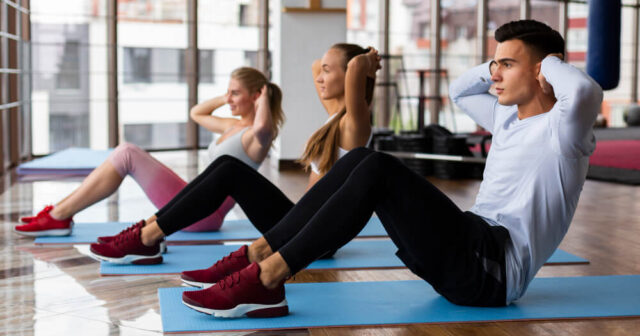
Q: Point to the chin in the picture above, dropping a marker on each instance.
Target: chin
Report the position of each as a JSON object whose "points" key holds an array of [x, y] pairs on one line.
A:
{"points": [[505, 101]]}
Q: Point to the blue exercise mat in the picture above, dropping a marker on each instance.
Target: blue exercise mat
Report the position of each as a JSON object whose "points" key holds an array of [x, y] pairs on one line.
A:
{"points": [[360, 254], [66, 162], [405, 302], [240, 229]]}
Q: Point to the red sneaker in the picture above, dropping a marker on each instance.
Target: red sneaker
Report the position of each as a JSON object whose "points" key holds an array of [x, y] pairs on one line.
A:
{"points": [[127, 248], [206, 278], [140, 224], [28, 219], [45, 225], [239, 294]]}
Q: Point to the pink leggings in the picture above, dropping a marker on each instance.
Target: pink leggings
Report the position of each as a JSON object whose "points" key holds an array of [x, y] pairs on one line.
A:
{"points": [[160, 183]]}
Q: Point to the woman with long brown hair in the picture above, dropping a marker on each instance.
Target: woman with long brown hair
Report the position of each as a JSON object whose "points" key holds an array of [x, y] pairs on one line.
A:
{"points": [[344, 80]]}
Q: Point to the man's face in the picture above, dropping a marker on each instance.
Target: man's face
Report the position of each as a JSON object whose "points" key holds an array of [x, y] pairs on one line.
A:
{"points": [[515, 73]]}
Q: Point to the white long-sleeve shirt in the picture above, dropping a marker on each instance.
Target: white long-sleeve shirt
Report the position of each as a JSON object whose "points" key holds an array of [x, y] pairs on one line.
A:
{"points": [[536, 167]]}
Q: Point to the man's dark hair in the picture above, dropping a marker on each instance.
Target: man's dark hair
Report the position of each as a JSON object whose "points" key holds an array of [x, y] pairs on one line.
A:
{"points": [[542, 39]]}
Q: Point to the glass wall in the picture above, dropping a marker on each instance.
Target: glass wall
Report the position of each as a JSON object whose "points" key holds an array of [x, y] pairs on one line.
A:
{"points": [[546, 11], [500, 12], [459, 53], [228, 38], [68, 82], [152, 91], [410, 48], [69, 62]]}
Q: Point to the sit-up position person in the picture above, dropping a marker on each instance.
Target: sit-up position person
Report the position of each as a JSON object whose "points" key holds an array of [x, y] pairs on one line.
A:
{"points": [[541, 122], [344, 81], [250, 96]]}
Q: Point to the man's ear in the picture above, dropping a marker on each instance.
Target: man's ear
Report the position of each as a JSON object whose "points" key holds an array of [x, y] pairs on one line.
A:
{"points": [[538, 67]]}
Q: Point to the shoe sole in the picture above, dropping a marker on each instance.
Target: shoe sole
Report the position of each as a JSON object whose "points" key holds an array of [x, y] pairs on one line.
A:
{"points": [[203, 285], [163, 245], [44, 233], [248, 309], [130, 259]]}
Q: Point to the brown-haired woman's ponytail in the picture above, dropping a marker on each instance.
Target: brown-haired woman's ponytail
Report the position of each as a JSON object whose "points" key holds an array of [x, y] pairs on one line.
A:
{"points": [[323, 145]]}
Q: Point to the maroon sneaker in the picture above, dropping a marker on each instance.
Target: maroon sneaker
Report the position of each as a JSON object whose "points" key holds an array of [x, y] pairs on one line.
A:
{"points": [[45, 225], [140, 224], [28, 219], [239, 294], [205, 278], [127, 248]]}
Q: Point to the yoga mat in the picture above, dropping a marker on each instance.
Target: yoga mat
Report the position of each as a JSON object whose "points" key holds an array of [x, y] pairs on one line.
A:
{"points": [[241, 229], [404, 302], [71, 161], [367, 254]]}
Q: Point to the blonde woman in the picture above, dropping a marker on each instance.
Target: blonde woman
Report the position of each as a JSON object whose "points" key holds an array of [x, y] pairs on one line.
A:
{"points": [[344, 81], [250, 96]]}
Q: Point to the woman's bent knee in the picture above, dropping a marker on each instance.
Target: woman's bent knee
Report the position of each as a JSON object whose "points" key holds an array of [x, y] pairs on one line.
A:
{"points": [[121, 157]]}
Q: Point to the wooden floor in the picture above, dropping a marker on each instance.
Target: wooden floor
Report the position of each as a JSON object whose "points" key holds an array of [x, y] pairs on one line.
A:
{"points": [[58, 290]]}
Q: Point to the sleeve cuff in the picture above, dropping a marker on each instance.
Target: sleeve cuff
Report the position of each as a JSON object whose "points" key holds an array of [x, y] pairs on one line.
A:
{"points": [[484, 71]]}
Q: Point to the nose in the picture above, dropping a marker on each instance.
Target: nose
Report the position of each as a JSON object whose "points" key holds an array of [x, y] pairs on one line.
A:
{"points": [[319, 79], [496, 76], [228, 100]]}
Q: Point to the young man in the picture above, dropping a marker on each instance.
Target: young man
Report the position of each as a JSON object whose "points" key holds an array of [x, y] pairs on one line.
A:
{"points": [[541, 122]]}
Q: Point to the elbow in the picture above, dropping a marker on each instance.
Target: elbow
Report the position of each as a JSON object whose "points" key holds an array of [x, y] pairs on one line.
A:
{"points": [[589, 91], [264, 137], [263, 133], [315, 66], [454, 92], [193, 112]]}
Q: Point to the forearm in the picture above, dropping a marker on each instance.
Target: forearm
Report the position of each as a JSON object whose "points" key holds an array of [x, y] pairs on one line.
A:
{"points": [[263, 118], [476, 80], [207, 107], [263, 124], [356, 85], [470, 92], [578, 103], [578, 95], [370, 86]]}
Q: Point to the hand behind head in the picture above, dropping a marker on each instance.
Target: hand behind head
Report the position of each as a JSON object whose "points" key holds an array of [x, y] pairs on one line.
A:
{"points": [[374, 62], [558, 55]]}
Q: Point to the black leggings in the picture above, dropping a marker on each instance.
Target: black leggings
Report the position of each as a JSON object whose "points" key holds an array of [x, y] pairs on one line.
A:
{"points": [[457, 252], [263, 202]]}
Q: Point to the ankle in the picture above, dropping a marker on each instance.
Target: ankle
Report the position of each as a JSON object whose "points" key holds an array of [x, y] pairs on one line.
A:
{"points": [[150, 220], [273, 271], [259, 251], [269, 280], [147, 239], [59, 213], [252, 255]]}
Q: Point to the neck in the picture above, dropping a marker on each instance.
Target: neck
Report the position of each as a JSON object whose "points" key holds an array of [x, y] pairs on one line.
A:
{"points": [[339, 106], [541, 103], [247, 120]]}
